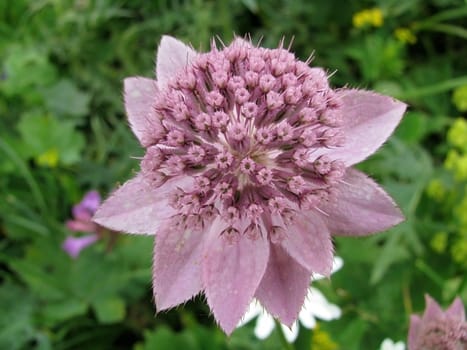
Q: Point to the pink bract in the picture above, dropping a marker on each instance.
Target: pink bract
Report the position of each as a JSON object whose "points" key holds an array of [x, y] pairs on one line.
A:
{"points": [[438, 330], [246, 174]]}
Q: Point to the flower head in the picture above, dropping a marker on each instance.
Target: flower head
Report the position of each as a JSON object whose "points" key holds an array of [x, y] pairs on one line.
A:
{"points": [[82, 215], [246, 173], [438, 330]]}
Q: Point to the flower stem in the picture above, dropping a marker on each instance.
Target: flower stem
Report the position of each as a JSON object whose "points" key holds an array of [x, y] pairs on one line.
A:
{"points": [[286, 345], [436, 278], [433, 89]]}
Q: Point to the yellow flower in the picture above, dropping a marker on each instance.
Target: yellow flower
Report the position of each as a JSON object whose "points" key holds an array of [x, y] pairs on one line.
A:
{"points": [[461, 213], [459, 251], [457, 163], [460, 173], [436, 189], [49, 158], [452, 159], [459, 98], [405, 35], [321, 340], [439, 242], [457, 134], [369, 17]]}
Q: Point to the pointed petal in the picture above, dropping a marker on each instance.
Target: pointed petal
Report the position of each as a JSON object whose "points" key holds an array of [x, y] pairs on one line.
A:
{"points": [[359, 207], [432, 310], [370, 119], [177, 265], [139, 94], [337, 264], [309, 243], [388, 344], [172, 56], [284, 286], [290, 333], [306, 318], [399, 345], [138, 207], [231, 274], [253, 310], [456, 310], [414, 330], [320, 307], [264, 326]]}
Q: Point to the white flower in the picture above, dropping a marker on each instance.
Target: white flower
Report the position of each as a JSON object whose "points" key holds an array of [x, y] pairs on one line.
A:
{"points": [[315, 306], [388, 344]]}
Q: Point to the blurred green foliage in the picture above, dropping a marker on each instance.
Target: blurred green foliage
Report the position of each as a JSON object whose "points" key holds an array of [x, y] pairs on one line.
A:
{"points": [[63, 132]]}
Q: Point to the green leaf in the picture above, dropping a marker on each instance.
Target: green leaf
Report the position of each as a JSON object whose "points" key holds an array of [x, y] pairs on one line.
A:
{"points": [[252, 5], [388, 87], [352, 335], [50, 140], [437, 88], [55, 312], [65, 99], [16, 316], [413, 127], [409, 162], [22, 168], [39, 280], [378, 58], [42, 341], [109, 310], [392, 252], [165, 339], [451, 288], [26, 68]]}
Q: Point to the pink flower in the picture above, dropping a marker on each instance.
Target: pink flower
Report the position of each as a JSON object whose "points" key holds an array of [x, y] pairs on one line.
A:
{"points": [[246, 173], [73, 245], [82, 222], [438, 330], [83, 212]]}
